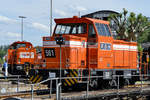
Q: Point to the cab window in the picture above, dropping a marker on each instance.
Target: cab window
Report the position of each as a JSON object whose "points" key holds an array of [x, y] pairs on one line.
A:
{"points": [[72, 28], [18, 46], [103, 29], [91, 33], [21, 45]]}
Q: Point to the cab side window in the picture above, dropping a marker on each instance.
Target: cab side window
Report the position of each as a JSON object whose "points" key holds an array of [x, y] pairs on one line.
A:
{"points": [[103, 29], [92, 32], [107, 30], [91, 35]]}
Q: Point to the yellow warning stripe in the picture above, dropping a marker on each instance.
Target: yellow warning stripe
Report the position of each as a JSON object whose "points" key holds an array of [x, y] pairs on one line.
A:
{"points": [[31, 78], [67, 82], [39, 79], [27, 69], [73, 78], [35, 78], [75, 73], [75, 70]]}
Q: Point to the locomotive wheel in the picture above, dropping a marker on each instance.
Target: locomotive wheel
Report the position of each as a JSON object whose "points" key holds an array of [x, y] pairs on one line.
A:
{"points": [[122, 82], [132, 82], [113, 83], [103, 84], [134, 79], [93, 84], [127, 82]]}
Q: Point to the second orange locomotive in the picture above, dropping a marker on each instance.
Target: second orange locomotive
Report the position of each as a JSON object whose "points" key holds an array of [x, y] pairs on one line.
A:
{"points": [[21, 57]]}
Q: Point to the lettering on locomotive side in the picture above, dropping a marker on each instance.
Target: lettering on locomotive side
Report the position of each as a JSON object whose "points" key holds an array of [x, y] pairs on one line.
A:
{"points": [[26, 54], [49, 52], [47, 43], [105, 46], [124, 47]]}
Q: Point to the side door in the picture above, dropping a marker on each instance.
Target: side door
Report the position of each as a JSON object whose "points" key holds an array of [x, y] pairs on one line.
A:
{"points": [[74, 57], [105, 46], [92, 47]]}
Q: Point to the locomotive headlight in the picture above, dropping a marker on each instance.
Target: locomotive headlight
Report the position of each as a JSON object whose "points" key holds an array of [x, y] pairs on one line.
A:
{"points": [[65, 72], [19, 67], [44, 63], [67, 62]]}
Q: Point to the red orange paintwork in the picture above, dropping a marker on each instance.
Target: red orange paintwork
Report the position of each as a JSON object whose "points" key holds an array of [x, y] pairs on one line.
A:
{"points": [[14, 55], [122, 55]]}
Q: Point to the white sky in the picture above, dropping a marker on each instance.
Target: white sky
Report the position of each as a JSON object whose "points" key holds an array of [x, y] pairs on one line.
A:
{"points": [[36, 24]]}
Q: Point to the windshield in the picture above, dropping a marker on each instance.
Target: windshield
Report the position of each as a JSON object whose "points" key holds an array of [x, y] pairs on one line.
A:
{"points": [[72, 28], [16, 46]]}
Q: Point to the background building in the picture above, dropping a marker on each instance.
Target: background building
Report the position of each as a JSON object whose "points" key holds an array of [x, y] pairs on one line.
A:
{"points": [[102, 14]]}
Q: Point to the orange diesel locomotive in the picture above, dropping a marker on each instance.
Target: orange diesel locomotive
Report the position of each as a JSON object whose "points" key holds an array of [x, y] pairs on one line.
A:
{"points": [[21, 57], [89, 50]]}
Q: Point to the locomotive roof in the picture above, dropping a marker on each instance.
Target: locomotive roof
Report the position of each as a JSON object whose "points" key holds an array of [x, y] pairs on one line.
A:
{"points": [[21, 42], [76, 19]]}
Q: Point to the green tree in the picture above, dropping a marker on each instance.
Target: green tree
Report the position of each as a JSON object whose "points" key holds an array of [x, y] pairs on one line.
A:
{"points": [[3, 51], [138, 27], [120, 20], [1, 61], [132, 27]]}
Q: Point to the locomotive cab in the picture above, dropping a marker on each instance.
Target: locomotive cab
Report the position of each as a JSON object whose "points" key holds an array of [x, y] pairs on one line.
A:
{"points": [[81, 43]]}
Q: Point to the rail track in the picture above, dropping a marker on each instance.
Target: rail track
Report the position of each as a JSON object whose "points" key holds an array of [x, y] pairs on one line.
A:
{"points": [[25, 93], [130, 90], [14, 95]]}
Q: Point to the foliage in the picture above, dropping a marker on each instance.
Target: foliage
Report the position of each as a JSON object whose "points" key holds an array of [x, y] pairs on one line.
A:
{"points": [[140, 49], [145, 37], [120, 20], [3, 52], [131, 27], [137, 27]]}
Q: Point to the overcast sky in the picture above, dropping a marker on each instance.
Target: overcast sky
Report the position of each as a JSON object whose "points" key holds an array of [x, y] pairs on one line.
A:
{"points": [[37, 12]]}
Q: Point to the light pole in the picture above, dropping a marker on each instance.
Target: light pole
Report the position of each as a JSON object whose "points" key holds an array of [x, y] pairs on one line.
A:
{"points": [[51, 17], [22, 17], [60, 41]]}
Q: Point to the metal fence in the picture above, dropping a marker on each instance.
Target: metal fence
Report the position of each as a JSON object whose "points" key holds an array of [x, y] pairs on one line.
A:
{"points": [[17, 84], [117, 90]]}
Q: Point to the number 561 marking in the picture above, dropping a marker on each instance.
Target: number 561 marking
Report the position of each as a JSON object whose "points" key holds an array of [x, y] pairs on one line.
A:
{"points": [[49, 52]]}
